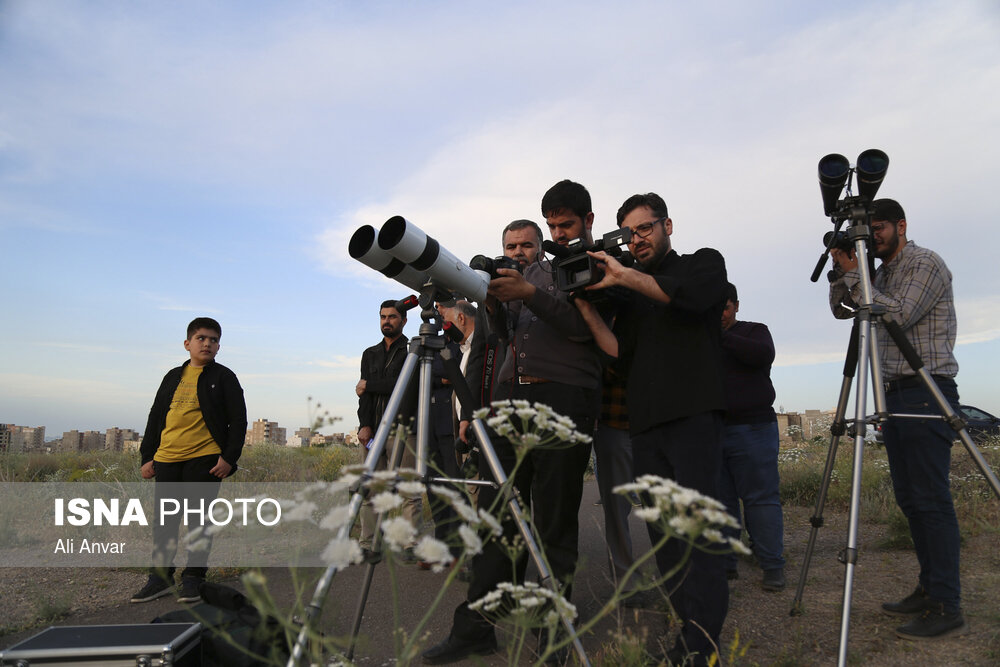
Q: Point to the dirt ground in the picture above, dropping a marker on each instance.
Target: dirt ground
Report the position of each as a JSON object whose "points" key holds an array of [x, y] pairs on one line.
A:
{"points": [[762, 620]]}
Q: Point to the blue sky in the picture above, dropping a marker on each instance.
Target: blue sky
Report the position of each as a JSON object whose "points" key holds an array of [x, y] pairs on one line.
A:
{"points": [[160, 161]]}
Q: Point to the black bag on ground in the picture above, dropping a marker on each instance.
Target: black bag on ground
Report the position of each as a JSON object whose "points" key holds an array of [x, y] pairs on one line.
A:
{"points": [[235, 633]]}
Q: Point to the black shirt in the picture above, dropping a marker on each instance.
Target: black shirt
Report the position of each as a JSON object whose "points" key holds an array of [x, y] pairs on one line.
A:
{"points": [[671, 352]]}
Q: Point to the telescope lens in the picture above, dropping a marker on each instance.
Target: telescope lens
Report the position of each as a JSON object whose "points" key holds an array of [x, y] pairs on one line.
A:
{"points": [[872, 165], [833, 171]]}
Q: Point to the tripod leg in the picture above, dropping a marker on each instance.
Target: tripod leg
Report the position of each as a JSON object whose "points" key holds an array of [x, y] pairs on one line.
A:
{"points": [[837, 429], [396, 457], [486, 448], [375, 451]]}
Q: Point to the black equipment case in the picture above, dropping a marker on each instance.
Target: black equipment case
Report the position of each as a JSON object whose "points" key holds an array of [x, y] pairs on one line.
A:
{"points": [[149, 645]]}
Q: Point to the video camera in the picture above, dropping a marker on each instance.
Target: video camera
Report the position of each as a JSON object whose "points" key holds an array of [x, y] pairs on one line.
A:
{"points": [[575, 269]]}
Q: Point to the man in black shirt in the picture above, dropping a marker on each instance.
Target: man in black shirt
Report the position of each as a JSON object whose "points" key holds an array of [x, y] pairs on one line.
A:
{"points": [[380, 367], [666, 340]]}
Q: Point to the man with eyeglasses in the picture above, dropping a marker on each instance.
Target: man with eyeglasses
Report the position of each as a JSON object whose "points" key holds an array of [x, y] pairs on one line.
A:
{"points": [[913, 284], [667, 342]]}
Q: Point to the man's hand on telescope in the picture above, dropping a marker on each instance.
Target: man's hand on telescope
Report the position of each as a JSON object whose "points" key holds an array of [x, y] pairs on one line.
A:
{"points": [[511, 286], [365, 435], [845, 260], [633, 279]]}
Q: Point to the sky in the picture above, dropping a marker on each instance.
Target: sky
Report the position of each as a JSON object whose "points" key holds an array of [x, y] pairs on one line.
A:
{"points": [[163, 161]]}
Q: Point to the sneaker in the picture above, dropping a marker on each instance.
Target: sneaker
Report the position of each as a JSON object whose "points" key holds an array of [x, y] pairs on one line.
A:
{"points": [[155, 587], [774, 580], [189, 590], [914, 603], [934, 623]]}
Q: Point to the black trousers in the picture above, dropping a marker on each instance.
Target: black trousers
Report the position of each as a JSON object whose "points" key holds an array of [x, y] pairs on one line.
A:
{"points": [[550, 482], [688, 451], [204, 488]]}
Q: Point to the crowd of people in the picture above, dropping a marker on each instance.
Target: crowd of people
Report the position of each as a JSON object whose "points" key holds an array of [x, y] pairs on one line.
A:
{"points": [[668, 382]]}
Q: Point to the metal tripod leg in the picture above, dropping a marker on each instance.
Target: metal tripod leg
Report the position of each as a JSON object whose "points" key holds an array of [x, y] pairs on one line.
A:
{"points": [[545, 574], [837, 429], [374, 452], [395, 460]]}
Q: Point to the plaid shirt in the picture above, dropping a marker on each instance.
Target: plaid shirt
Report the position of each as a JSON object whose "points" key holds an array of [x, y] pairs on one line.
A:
{"points": [[915, 288], [614, 412]]}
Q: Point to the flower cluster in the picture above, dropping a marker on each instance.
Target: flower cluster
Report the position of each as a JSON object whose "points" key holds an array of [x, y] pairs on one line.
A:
{"points": [[527, 603], [530, 425], [683, 512]]}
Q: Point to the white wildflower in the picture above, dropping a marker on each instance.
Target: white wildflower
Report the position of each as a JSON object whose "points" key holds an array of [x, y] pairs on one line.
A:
{"points": [[465, 511], [341, 553], [386, 502], [335, 518], [433, 551], [410, 489], [491, 522], [399, 533], [302, 511], [685, 525], [481, 413], [648, 514], [473, 544]]}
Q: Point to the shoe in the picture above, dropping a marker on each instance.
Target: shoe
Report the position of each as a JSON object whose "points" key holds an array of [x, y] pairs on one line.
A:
{"points": [[732, 575], [190, 591], [914, 603], [155, 588], [934, 623], [678, 656], [774, 580], [453, 649], [409, 557], [369, 556]]}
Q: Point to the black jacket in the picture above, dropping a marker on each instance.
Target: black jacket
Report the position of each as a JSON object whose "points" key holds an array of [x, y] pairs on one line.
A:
{"points": [[379, 369], [220, 397]]}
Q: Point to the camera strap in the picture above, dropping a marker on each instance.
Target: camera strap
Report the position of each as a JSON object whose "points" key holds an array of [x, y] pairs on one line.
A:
{"points": [[489, 366]]}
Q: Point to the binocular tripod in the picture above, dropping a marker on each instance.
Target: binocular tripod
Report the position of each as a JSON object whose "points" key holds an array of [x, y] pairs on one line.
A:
{"points": [[862, 354], [422, 349]]}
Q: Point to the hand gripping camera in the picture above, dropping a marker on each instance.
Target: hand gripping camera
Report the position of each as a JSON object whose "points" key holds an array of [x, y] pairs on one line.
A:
{"points": [[575, 269]]}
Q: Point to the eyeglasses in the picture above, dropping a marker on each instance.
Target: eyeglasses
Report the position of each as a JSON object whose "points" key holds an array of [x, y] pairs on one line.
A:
{"points": [[645, 229]]}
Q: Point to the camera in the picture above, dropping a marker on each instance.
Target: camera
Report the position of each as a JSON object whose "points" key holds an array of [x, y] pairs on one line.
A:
{"points": [[489, 266], [575, 269], [838, 240]]}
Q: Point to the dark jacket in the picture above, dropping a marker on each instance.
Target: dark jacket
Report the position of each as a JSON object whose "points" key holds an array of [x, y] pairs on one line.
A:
{"points": [[380, 369], [223, 408], [747, 354]]}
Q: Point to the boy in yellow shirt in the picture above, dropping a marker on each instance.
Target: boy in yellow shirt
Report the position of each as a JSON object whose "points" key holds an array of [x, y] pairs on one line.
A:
{"points": [[195, 433]]}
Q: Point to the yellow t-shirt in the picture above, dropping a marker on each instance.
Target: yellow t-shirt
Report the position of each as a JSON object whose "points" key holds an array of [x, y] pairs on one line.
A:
{"points": [[185, 436]]}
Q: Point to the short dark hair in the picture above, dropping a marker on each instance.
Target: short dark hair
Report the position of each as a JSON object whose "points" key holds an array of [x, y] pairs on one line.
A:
{"points": [[391, 303], [203, 323], [651, 199], [566, 196], [888, 210], [731, 294], [521, 224]]}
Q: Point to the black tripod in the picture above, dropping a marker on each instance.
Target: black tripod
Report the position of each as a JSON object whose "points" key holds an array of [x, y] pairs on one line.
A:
{"points": [[862, 355], [422, 350]]}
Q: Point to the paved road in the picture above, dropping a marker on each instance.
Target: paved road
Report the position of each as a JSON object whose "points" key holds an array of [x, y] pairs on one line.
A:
{"points": [[402, 603]]}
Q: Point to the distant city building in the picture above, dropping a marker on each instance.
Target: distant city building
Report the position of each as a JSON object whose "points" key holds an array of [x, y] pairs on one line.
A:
{"points": [[15, 439], [72, 441], [114, 438], [262, 431]]}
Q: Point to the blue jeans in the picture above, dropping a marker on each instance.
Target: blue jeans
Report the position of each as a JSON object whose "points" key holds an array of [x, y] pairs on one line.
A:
{"points": [[919, 453], [750, 473]]}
